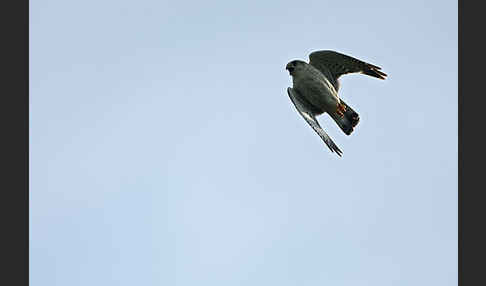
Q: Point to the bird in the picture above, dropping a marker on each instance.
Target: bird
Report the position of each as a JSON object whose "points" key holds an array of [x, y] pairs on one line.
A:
{"points": [[315, 90]]}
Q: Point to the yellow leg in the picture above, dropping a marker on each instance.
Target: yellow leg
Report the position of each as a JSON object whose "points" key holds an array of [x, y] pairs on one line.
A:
{"points": [[341, 109]]}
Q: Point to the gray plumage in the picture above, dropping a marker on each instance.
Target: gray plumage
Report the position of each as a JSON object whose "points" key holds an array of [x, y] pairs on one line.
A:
{"points": [[315, 90]]}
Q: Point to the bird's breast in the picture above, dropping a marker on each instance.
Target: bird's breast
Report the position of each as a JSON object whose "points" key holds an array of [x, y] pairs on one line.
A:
{"points": [[317, 92]]}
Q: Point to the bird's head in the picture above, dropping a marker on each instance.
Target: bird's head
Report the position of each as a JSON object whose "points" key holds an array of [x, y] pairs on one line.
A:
{"points": [[295, 66]]}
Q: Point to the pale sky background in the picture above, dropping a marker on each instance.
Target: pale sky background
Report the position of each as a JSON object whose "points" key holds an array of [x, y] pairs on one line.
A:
{"points": [[164, 149]]}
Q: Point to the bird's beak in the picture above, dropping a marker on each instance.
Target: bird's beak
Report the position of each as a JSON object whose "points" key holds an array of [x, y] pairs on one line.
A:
{"points": [[289, 67]]}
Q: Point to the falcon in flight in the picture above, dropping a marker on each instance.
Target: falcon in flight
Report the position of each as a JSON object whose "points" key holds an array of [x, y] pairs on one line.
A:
{"points": [[315, 90]]}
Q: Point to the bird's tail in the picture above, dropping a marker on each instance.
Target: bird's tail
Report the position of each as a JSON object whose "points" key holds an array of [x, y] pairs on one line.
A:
{"points": [[348, 121]]}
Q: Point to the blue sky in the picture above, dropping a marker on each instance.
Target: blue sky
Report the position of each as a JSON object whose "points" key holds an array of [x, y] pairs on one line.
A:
{"points": [[164, 149]]}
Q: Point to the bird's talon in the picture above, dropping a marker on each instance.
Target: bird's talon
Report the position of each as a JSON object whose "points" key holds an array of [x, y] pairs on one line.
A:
{"points": [[341, 109]]}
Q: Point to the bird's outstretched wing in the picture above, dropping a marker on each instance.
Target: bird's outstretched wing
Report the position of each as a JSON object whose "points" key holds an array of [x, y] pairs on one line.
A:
{"points": [[339, 64], [311, 119]]}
